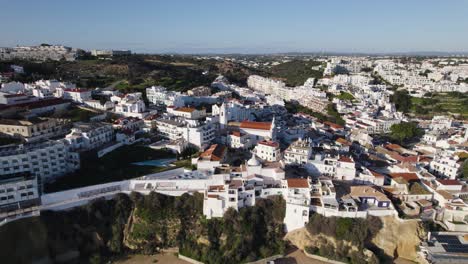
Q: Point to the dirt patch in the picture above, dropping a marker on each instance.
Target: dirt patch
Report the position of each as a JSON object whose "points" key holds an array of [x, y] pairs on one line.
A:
{"points": [[151, 259]]}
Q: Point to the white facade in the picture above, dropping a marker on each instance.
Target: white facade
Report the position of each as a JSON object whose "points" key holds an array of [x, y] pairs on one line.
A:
{"points": [[96, 104], [446, 165], [299, 152], [76, 95], [46, 160], [18, 191], [87, 136], [268, 151]]}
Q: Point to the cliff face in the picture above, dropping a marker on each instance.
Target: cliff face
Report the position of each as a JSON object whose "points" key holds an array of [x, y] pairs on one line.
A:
{"points": [[399, 238], [142, 235]]}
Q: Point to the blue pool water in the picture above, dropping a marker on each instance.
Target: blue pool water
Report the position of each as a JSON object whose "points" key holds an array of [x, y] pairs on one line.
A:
{"points": [[158, 162]]}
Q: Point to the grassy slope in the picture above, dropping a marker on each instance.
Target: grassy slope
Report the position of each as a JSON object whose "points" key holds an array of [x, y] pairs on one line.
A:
{"points": [[442, 103], [296, 72], [114, 166]]}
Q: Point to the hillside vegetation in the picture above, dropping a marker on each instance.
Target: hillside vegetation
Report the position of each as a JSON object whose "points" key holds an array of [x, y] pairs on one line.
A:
{"points": [[145, 224], [296, 72]]}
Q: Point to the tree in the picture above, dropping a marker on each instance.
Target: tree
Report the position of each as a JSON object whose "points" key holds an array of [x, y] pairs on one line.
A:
{"points": [[402, 101], [405, 131], [465, 169]]}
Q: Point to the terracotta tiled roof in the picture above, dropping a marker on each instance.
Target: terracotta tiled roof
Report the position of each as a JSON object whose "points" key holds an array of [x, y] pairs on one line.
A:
{"points": [[214, 153], [346, 159], [76, 90], [216, 188], [343, 141], [256, 125], [408, 176], [14, 95], [298, 183], [376, 174], [185, 109], [393, 146], [449, 182], [333, 125], [269, 143], [42, 103]]}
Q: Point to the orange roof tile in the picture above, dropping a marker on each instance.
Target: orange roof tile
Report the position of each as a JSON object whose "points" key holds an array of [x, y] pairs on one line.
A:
{"points": [[346, 159], [269, 143], [408, 176], [449, 182], [298, 183], [343, 141], [393, 146], [255, 125], [214, 153], [185, 109], [333, 125]]}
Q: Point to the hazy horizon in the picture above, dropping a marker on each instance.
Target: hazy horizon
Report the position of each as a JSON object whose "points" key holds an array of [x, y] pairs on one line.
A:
{"points": [[257, 27]]}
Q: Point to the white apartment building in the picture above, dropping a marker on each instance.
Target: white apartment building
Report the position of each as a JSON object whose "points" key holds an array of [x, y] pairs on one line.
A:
{"points": [[13, 87], [187, 112], [77, 95], [342, 168], [45, 160], [199, 91], [264, 85], [268, 150], [42, 93], [39, 53], [200, 134], [441, 123], [33, 129], [129, 105], [238, 140], [445, 164], [96, 104], [376, 125], [87, 136], [170, 128], [157, 95], [17, 191], [16, 99], [299, 152]]}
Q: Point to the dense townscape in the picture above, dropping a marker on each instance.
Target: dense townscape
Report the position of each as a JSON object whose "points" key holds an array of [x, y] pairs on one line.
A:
{"points": [[363, 143]]}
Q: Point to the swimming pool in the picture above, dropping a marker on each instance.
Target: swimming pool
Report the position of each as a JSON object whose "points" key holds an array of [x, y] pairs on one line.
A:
{"points": [[158, 162]]}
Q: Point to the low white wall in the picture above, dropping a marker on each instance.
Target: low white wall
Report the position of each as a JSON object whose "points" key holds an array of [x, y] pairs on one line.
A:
{"points": [[182, 257], [322, 258], [103, 152], [360, 214], [70, 195]]}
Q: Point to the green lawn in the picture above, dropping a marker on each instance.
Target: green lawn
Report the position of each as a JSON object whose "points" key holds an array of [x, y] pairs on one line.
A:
{"points": [[114, 166], [76, 114], [345, 96]]}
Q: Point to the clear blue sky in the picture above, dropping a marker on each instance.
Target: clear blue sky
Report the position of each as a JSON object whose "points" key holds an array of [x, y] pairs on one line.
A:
{"points": [[249, 26]]}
